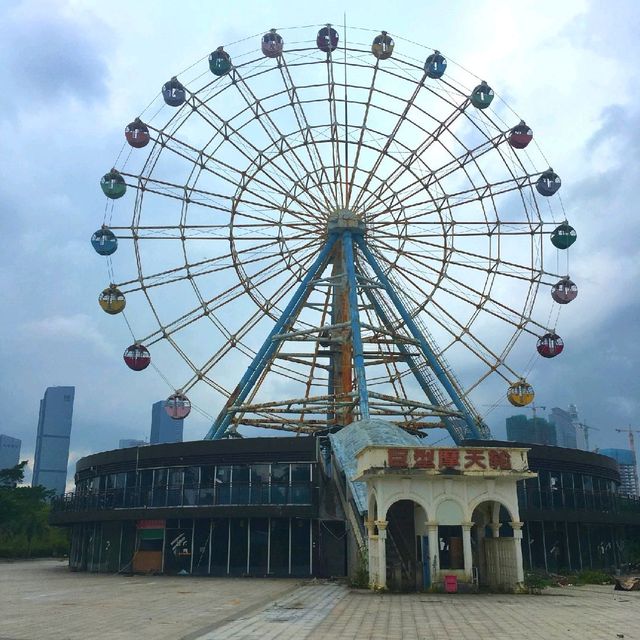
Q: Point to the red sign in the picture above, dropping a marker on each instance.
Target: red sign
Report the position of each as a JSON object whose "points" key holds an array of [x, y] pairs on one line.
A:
{"points": [[472, 459]]}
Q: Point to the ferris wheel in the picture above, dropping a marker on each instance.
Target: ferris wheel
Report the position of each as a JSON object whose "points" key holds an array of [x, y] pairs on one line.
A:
{"points": [[339, 222]]}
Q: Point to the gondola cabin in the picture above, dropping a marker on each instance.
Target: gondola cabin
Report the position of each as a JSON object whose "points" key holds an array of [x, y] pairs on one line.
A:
{"points": [[177, 406], [563, 236], [520, 394], [520, 136], [272, 44], [137, 357], [564, 291], [550, 345], [137, 134], [382, 46], [327, 39], [482, 96], [548, 183], [113, 185], [104, 241], [219, 62], [435, 65], [174, 93], [112, 300]]}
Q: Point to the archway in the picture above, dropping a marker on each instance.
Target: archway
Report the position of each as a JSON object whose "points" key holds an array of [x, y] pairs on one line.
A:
{"points": [[406, 546], [494, 547]]}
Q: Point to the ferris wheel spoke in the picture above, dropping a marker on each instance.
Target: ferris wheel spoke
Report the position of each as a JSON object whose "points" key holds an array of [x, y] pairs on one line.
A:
{"points": [[458, 163], [217, 302], [310, 145], [363, 128], [419, 151], [229, 132], [338, 185], [392, 135], [463, 335], [262, 115], [231, 175], [482, 298]]}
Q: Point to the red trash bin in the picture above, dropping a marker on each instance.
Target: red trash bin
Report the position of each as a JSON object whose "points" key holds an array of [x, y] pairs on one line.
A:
{"points": [[451, 584]]}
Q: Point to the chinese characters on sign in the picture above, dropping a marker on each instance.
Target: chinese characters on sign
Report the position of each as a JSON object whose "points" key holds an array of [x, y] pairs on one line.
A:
{"points": [[463, 459]]}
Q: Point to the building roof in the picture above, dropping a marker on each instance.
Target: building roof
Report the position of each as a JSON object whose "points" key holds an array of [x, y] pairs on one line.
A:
{"points": [[353, 438]]}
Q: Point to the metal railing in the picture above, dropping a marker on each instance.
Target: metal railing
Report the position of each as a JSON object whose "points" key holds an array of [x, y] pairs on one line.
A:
{"points": [[223, 494]]}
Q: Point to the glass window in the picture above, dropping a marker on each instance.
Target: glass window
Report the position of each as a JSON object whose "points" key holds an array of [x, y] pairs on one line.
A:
{"points": [[300, 547], [223, 485], [191, 483], [207, 485], [240, 484], [259, 546], [279, 559], [238, 532], [178, 550], [219, 546], [201, 539], [260, 483], [279, 483]]}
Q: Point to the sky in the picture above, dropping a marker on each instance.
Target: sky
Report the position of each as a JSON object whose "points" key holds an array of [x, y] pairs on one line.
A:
{"points": [[74, 73]]}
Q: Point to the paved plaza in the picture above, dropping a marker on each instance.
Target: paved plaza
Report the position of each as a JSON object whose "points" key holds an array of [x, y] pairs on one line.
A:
{"points": [[42, 600]]}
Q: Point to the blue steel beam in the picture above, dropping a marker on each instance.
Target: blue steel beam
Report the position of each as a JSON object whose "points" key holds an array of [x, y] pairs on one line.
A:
{"points": [[415, 332], [422, 381], [356, 335], [269, 346]]}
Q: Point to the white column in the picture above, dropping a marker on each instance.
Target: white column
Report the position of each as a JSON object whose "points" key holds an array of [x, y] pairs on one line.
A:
{"points": [[372, 548], [495, 529], [466, 548], [434, 550], [382, 552], [517, 541]]}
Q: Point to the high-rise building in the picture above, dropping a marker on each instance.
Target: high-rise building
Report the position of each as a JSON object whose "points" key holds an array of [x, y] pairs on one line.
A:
{"points": [[9, 451], [163, 427], [627, 465], [532, 430], [565, 424], [130, 442], [52, 442]]}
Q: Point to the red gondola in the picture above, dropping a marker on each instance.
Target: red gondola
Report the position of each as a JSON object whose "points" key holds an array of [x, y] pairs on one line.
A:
{"points": [[137, 134], [550, 345], [137, 357], [520, 136]]}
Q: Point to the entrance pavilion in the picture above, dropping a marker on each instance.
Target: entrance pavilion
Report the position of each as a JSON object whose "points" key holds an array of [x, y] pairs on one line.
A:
{"points": [[436, 512]]}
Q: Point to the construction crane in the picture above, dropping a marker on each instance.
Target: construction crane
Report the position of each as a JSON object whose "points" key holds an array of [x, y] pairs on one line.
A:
{"points": [[585, 429], [632, 444]]}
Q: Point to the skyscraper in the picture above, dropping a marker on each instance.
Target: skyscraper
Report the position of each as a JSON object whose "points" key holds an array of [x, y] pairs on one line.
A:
{"points": [[565, 427], [163, 427], [52, 442], [9, 451], [627, 465], [533, 430]]}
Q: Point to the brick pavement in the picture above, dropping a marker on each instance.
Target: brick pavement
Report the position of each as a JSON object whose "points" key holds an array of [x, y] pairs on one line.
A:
{"points": [[42, 600]]}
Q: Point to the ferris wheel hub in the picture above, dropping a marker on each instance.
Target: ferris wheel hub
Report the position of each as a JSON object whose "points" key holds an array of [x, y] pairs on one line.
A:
{"points": [[345, 220]]}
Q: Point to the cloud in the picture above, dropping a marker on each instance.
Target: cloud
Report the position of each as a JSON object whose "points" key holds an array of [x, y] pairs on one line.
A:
{"points": [[48, 54], [77, 328]]}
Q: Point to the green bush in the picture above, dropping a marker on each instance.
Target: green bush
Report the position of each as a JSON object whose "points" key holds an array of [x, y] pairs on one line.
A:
{"points": [[593, 577]]}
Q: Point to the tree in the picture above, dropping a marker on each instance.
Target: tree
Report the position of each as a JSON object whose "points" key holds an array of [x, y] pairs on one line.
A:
{"points": [[23, 510]]}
